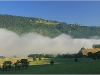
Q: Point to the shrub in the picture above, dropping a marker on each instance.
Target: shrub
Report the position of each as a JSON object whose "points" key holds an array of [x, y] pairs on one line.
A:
{"points": [[39, 58], [34, 58], [94, 58], [76, 60], [51, 62]]}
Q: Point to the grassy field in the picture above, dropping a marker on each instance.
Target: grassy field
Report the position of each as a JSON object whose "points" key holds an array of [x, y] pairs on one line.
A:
{"points": [[61, 66]]}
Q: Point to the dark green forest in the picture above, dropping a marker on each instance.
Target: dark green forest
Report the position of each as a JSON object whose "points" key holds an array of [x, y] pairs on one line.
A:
{"points": [[50, 28]]}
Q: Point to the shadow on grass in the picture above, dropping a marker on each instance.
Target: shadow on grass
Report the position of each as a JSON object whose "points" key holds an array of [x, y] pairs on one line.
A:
{"points": [[32, 69]]}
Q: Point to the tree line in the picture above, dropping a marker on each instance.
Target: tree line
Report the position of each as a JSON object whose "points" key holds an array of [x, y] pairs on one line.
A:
{"points": [[67, 55]]}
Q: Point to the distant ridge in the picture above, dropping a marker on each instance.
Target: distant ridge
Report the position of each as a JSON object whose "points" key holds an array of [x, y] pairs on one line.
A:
{"points": [[50, 28]]}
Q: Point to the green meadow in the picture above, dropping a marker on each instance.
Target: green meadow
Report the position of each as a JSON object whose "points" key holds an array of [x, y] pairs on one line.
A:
{"points": [[61, 66]]}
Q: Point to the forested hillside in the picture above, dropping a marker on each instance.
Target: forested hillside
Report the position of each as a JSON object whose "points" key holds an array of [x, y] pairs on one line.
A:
{"points": [[20, 25]]}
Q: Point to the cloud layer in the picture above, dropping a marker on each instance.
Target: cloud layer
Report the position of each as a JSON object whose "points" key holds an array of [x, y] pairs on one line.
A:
{"points": [[12, 44]]}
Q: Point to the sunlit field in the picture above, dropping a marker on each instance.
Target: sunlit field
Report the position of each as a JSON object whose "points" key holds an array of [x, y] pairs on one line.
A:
{"points": [[61, 66]]}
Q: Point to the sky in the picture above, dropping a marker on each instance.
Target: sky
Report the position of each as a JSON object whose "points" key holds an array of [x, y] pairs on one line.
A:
{"points": [[86, 13]]}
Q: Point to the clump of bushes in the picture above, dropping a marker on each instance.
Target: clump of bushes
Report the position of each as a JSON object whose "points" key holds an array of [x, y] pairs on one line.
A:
{"points": [[51, 62]]}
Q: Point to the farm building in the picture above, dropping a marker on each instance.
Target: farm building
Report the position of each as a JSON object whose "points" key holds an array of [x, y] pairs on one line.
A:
{"points": [[86, 51]]}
